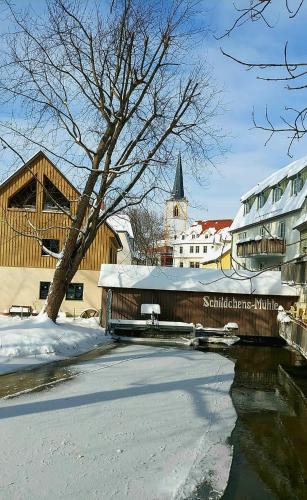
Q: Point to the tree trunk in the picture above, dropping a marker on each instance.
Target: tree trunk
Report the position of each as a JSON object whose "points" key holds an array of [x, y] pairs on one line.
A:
{"points": [[65, 271], [63, 275]]}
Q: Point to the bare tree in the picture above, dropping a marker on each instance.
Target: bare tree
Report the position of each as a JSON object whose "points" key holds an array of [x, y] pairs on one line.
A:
{"points": [[293, 73], [148, 231], [108, 93]]}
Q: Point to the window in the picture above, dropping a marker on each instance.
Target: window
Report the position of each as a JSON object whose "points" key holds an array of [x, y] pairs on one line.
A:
{"points": [[247, 206], [277, 193], [206, 236], [242, 236], [51, 245], [25, 198], [175, 236], [297, 185], [282, 229], [193, 236], [180, 264], [53, 199], [180, 249], [183, 237], [260, 200], [176, 211], [197, 264], [191, 249], [44, 289], [263, 231], [197, 249], [74, 291], [205, 249], [192, 264]]}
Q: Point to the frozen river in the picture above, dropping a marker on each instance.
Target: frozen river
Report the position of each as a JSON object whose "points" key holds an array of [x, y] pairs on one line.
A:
{"points": [[134, 422], [138, 422]]}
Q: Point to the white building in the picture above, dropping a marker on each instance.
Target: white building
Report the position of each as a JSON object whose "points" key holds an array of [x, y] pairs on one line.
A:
{"points": [[122, 225], [270, 227], [203, 244]]}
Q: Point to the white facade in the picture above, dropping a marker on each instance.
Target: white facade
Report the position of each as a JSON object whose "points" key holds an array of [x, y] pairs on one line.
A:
{"points": [[267, 230], [122, 225], [176, 217], [201, 243]]}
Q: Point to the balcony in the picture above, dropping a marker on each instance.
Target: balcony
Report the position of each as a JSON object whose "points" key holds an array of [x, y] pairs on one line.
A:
{"points": [[264, 246]]}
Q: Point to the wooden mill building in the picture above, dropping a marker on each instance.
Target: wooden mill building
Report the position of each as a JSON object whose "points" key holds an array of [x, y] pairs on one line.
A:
{"points": [[36, 203], [211, 297]]}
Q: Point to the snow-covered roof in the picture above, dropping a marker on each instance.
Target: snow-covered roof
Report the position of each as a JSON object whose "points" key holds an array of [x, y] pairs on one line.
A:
{"points": [[121, 223], [195, 236], [284, 173], [287, 203], [192, 280], [216, 253]]}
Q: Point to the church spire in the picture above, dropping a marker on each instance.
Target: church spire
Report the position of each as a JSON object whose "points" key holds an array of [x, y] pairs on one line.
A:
{"points": [[178, 191]]}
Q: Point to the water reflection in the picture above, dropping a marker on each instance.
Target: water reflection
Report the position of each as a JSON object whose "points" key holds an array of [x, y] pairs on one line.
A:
{"points": [[33, 380], [43, 377], [269, 439]]}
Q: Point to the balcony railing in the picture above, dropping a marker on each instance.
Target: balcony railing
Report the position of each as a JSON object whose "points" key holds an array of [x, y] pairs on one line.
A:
{"points": [[265, 246], [295, 272]]}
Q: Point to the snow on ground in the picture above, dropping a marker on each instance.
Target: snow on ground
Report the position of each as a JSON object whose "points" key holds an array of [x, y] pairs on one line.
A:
{"points": [[30, 341], [141, 423]]}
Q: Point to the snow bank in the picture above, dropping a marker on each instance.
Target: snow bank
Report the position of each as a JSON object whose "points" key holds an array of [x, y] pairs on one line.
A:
{"points": [[37, 340], [137, 423]]}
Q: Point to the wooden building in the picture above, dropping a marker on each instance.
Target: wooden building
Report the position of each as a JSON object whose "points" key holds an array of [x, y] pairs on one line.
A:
{"points": [[210, 297], [36, 203]]}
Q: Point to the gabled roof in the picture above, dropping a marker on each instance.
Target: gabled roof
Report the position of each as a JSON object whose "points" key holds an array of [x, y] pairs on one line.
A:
{"points": [[27, 166], [217, 224]]}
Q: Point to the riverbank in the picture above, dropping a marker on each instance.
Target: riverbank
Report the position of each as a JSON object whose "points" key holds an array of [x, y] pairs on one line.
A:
{"points": [[37, 340], [138, 422]]}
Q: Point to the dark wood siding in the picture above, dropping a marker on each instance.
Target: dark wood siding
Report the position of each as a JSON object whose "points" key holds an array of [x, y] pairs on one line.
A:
{"points": [[188, 307], [295, 271], [264, 246]]}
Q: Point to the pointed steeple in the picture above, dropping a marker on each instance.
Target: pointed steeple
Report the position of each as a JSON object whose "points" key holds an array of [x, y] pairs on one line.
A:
{"points": [[178, 191]]}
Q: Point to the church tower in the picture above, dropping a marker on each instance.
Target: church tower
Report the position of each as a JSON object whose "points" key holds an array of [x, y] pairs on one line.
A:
{"points": [[176, 213]]}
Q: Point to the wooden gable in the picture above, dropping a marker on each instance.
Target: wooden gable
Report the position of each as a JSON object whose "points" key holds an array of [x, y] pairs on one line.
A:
{"points": [[25, 217]]}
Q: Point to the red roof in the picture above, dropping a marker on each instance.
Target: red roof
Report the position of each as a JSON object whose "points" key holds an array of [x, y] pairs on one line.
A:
{"points": [[217, 224]]}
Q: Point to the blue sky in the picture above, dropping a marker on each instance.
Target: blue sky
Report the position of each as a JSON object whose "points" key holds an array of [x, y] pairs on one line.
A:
{"points": [[248, 160]]}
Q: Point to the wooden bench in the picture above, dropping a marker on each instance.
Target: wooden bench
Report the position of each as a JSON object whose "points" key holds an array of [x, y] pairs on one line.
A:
{"points": [[20, 311]]}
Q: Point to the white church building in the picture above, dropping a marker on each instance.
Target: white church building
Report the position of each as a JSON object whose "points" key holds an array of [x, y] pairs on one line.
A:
{"points": [[204, 243]]}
